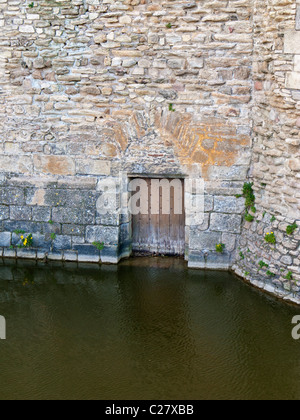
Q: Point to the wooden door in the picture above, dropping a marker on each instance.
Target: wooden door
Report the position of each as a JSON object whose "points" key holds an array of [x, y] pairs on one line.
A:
{"points": [[162, 230]]}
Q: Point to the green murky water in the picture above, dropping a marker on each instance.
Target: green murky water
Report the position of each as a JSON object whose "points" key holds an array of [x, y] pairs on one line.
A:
{"points": [[147, 329]]}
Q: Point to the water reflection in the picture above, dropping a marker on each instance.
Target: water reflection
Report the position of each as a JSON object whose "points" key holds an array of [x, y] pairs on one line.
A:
{"points": [[144, 329]]}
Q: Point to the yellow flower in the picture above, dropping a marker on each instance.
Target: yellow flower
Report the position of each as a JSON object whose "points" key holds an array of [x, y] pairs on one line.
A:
{"points": [[22, 237]]}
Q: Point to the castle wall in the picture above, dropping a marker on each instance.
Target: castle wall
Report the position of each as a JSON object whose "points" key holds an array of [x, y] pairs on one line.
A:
{"points": [[99, 91], [93, 89], [276, 154]]}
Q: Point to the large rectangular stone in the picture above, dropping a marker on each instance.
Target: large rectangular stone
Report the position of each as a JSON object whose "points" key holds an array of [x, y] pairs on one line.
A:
{"points": [[73, 215], [87, 253], [204, 240], [292, 42], [92, 167], [107, 234], [293, 79], [11, 196], [4, 212], [298, 18], [5, 238], [16, 165], [20, 213], [211, 261], [62, 242], [229, 205], [230, 223], [55, 165]]}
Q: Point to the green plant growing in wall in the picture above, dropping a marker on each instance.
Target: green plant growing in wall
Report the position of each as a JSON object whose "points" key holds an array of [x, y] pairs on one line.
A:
{"points": [[262, 264], [249, 217], [270, 238], [169, 25], [19, 232], [53, 236], [249, 196], [270, 274], [171, 108], [248, 193], [242, 256], [220, 248], [99, 245], [31, 5], [247, 273], [273, 219], [291, 229], [50, 222], [26, 241], [289, 276]]}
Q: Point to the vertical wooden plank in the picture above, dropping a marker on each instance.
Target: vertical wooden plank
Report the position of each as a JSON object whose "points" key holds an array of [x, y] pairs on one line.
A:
{"points": [[153, 218], [173, 225], [164, 228], [144, 224], [135, 230], [182, 223], [161, 233]]}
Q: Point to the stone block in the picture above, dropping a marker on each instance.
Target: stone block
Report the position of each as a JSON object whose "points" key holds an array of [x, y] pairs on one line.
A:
{"points": [[93, 167], [62, 242], [176, 63], [5, 239], [226, 223], [204, 240], [26, 253], [291, 42], [294, 164], [41, 242], [110, 255], [107, 234], [229, 204], [4, 213], [9, 253], [229, 240], [209, 260], [298, 18], [41, 214], [293, 79], [20, 213], [87, 253], [26, 29], [55, 165], [196, 63], [55, 256], [28, 227], [70, 256], [129, 62], [73, 229], [16, 165], [10, 195]]}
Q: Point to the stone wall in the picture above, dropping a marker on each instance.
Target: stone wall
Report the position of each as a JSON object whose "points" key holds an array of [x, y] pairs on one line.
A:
{"points": [[92, 88], [93, 91], [276, 153]]}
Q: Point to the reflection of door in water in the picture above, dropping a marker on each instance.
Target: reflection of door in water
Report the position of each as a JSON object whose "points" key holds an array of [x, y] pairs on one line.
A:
{"points": [[161, 233], [2, 328]]}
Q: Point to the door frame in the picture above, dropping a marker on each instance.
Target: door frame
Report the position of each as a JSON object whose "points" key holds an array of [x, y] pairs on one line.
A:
{"points": [[183, 177]]}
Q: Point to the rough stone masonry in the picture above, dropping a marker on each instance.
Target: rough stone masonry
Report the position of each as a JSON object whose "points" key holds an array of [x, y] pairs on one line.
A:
{"points": [[90, 89]]}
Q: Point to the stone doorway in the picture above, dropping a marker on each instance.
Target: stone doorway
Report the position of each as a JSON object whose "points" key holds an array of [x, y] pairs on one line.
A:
{"points": [[159, 226]]}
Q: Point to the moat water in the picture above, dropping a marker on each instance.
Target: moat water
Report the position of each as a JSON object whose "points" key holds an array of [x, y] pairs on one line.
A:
{"points": [[147, 329]]}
